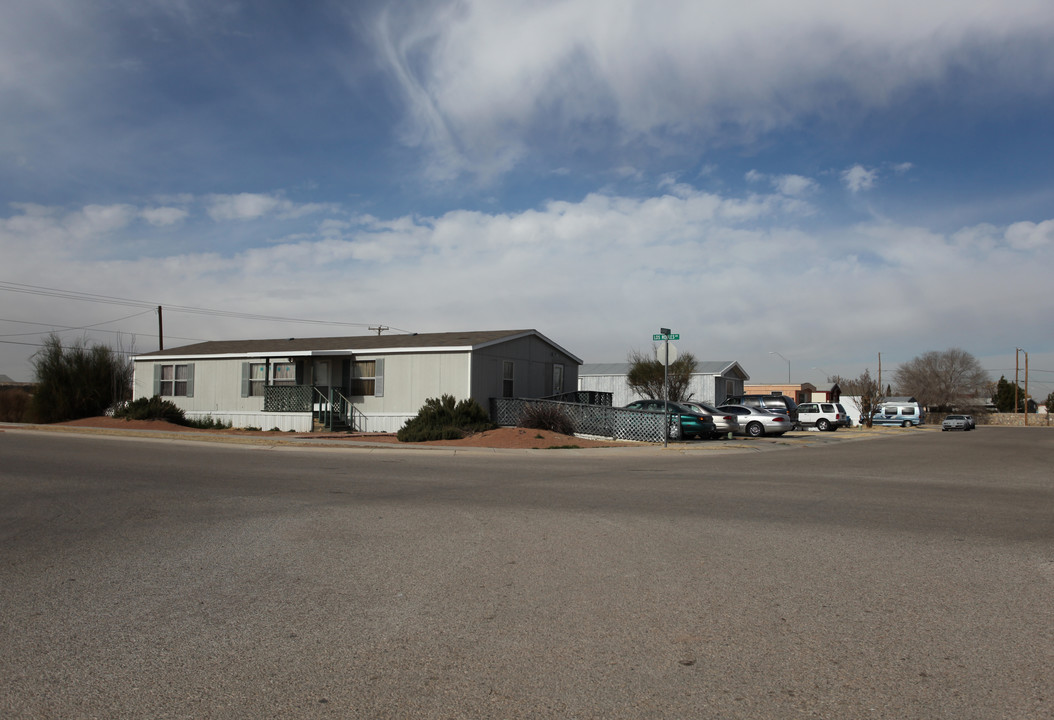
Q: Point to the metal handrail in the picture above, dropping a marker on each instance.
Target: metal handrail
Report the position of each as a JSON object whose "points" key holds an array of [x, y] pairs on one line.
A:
{"points": [[333, 405]]}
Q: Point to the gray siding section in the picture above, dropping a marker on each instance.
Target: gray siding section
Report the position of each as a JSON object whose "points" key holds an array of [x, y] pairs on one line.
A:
{"points": [[533, 360]]}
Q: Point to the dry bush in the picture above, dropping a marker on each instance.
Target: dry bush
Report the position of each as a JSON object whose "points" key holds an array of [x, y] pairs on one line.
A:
{"points": [[14, 405], [542, 416]]}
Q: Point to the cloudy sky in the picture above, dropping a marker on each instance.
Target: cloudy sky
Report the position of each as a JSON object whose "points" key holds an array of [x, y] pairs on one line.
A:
{"points": [[826, 179]]}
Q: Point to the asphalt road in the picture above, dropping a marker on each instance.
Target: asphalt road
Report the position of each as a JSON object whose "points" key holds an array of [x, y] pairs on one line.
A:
{"points": [[910, 576]]}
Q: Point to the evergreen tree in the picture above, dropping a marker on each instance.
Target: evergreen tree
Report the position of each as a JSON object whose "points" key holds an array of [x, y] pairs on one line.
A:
{"points": [[1003, 399]]}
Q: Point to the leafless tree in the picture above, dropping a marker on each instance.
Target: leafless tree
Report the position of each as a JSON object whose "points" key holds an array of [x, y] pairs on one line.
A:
{"points": [[646, 375], [944, 379], [866, 388]]}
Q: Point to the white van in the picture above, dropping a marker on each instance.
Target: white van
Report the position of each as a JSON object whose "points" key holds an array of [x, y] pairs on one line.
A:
{"points": [[902, 414]]}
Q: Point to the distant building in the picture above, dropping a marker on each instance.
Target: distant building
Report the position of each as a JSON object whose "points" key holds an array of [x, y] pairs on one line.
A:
{"points": [[711, 383]]}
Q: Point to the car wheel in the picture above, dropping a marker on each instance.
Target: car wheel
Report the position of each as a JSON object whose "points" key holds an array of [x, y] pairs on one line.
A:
{"points": [[675, 432], [906, 423], [822, 425], [755, 429]]}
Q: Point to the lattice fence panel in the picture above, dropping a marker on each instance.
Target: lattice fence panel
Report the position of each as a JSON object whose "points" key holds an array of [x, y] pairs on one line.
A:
{"points": [[287, 398], [599, 420]]}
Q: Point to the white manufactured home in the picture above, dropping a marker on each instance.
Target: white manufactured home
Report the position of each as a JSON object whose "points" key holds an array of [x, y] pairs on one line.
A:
{"points": [[711, 382], [372, 383]]}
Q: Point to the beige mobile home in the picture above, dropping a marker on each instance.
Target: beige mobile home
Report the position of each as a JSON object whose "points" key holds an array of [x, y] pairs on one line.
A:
{"points": [[374, 383]]}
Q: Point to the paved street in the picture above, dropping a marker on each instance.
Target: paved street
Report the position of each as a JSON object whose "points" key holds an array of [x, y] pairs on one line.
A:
{"points": [[906, 576]]}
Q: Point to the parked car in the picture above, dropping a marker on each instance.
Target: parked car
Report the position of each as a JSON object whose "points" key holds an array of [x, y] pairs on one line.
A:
{"points": [[823, 416], [692, 424], [955, 422], [726, 422], [756, 422], [780, 404]]}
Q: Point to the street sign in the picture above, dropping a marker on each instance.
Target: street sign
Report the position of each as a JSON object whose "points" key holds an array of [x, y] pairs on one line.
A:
{"points": [[660, 338], [661, 355]]}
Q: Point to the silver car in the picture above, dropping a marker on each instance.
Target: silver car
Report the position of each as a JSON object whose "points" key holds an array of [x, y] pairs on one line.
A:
{"points": [[756, 423], [726, 422]]}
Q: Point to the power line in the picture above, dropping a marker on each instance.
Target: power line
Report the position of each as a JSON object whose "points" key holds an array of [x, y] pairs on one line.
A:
{"points": [[112, 300], [65, 328]]}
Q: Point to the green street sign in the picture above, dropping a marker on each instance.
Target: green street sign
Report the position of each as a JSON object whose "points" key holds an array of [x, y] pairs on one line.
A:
{"points": [[674, 336]]}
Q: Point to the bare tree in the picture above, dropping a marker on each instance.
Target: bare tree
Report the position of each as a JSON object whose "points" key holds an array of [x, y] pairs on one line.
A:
{"points": [[866, 388], [646, 375], [943, 379]]}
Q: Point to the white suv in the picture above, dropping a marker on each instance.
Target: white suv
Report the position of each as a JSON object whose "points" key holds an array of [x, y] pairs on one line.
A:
{"points": [[822, 415]]}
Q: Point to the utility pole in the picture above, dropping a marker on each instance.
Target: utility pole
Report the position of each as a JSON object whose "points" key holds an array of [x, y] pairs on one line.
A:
{"points": [[380, 328], [160, 331], [1026, 387], [1017, 354]]}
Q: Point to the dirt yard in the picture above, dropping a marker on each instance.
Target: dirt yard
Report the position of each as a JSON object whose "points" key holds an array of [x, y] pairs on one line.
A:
{"points": [[514, 438]]}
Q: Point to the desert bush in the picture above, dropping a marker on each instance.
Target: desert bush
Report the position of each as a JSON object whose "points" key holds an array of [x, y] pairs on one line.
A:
{"points": [[544, 416], [208, 423], [445, 419], [153, 408], [14, 405], [78, 381]]}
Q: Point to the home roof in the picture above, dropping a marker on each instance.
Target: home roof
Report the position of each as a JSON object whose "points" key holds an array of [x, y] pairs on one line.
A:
{"points": [[363, 344]]}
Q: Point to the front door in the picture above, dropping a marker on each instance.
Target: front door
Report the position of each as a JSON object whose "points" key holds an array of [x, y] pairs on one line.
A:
{"points": [[320, 374]]}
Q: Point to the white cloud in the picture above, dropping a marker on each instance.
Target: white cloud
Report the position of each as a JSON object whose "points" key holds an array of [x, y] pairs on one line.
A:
{"points": [[252, 206], [1030, 235], [480, 78], [795, 185], [596, 274], [244, 206], [161, 216], [858, 178]]}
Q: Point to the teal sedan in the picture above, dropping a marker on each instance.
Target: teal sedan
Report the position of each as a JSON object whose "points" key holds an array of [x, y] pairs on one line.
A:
{"points": [[692, 424]]}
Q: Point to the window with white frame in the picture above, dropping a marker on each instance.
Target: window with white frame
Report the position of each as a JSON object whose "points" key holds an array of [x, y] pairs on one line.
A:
{"points": [[367, 378], [257, 379], [174, 380], [284, 373], [507, 375]]}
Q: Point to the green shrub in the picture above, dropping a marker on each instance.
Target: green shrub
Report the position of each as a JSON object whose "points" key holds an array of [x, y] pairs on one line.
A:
{"points": [[545, 416], [208, 423], [152, 409], [78, 381], [445, 419]]}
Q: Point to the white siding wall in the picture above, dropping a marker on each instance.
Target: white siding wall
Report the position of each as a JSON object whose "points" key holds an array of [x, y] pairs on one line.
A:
{"points": [[409, 380], [217, 386], [701, 387]]}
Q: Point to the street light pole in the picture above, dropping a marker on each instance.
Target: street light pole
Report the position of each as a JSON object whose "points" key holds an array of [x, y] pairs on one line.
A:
{"points": [[773, 352]]}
